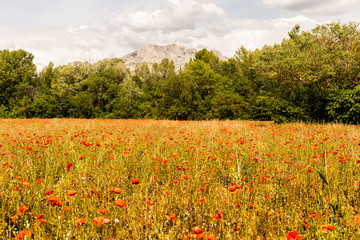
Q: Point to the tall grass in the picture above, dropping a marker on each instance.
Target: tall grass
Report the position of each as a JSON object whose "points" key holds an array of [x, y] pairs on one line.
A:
{"points": [[75, 179]]}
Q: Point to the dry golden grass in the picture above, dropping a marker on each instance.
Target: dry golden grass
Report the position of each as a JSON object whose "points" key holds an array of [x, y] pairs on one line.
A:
{"points": [[145, 179]]}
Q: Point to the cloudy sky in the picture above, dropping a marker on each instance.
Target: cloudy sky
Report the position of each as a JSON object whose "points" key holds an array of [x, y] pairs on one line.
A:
{"points": [[63, 31]]}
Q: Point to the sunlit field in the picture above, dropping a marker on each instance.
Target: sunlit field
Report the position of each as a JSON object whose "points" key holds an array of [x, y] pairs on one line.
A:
{"points": [[146, 179]]}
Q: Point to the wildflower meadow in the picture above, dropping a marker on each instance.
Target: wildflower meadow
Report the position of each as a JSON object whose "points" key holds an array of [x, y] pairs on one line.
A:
{"points": [[148, 179]]}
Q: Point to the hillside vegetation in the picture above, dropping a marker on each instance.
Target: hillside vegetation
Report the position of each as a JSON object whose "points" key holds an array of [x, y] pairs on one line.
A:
{"points": [[310, 76]]}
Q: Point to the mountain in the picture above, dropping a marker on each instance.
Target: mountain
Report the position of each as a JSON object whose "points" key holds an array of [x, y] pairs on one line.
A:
{"points": [[151, 54]]}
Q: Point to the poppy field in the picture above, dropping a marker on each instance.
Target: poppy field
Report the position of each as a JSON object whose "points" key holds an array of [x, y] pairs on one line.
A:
{"points": [[147, 179]]}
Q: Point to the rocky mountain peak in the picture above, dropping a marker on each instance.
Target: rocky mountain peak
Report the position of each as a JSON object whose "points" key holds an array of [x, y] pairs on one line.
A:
{"points": [[151, 54]]}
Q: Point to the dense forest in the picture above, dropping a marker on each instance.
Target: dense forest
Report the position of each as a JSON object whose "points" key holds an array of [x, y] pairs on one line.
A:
{"points": [[310, 76]]}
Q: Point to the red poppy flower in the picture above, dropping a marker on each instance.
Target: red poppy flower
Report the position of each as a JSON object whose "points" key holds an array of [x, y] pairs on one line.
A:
{"points": [[149, 202], [103, 211], [26, 184], [23, 209], [22, 234], [357, 219], [14, 218], [42, 221], [120, 203], [238, 186], [293, 235], [328, 227], [201, 201], [106, 221], [115, 190], [198, 232], [81, 221], [39, 216], [54, 201], [232, 188], [135, 181], [71, 193], [48, 192], [218, 215], [68, 166], [98, 220], [172, 217]]}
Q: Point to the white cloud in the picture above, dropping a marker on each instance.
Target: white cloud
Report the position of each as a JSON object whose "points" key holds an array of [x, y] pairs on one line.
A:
{"points": [[253, 34], [175, 15], [320, 7], [294, 4], [7, 44], [177, 21], [190, 23]]}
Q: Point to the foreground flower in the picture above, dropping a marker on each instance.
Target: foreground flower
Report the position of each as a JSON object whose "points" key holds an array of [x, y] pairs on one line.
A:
{"points": [[198, 230], [115, 190], [81, 221], [232, 188], [26, 184], [201, 236], [135, 181], [357, 219], [54, 201], [293, 235], [23, 209], [42, 221], [171, 217], [98, 220], [22, 234], [71, 193], [346, 224], [103, 211], [328, 227], [68, 166], [48, 192], [106, 221], [38, 216], [201, 201], [218, 215], [120, 203], [197, 233], [14, 218]]}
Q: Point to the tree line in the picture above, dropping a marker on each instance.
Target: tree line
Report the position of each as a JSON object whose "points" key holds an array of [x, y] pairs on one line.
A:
{"points": [[312, 76]]}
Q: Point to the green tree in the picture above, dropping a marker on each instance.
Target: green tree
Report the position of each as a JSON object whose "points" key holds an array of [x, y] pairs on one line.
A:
{"points": [[17, 81], [45, 106], [344, 105]]}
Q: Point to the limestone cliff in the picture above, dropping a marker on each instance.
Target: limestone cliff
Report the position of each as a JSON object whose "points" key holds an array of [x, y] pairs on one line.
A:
{"points": [[151, 54]]}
